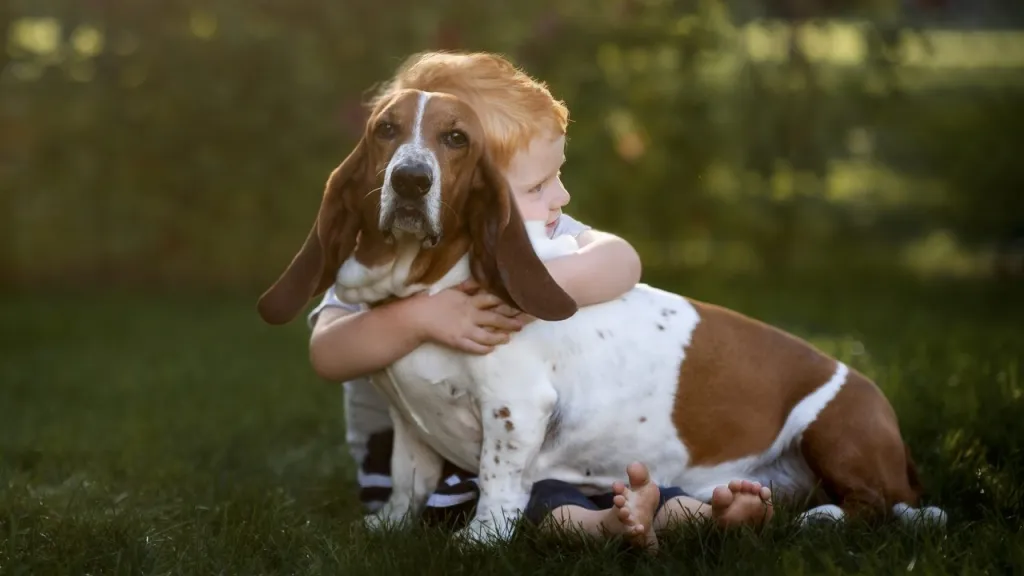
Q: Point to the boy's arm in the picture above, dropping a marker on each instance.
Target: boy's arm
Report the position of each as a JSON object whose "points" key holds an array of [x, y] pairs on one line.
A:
{"points": [[347, 344], [605, 267]]}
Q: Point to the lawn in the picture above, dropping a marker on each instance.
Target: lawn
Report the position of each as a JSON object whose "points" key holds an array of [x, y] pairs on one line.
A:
{"points": [[171, 434]]}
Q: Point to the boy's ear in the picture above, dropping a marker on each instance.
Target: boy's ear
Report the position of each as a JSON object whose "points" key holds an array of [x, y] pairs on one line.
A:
{"points": [[504, 261]]}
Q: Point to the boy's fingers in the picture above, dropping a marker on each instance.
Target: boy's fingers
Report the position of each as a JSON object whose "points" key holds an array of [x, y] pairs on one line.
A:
{"points": [[467, 345], [499, 321], [488, 338], [506, 310], [468, 286], [484, 300]]}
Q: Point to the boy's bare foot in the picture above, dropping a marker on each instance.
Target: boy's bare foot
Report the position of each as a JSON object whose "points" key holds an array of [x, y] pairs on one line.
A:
{"points": [[634, 507], [742, 502]]}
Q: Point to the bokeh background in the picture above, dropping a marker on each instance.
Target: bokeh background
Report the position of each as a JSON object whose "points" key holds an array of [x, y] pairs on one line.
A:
{"points": [[186, 142], [850, 170]]}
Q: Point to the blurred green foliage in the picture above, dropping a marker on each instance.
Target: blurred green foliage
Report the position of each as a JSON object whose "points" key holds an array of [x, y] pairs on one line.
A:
{"points": [[187, 141]]}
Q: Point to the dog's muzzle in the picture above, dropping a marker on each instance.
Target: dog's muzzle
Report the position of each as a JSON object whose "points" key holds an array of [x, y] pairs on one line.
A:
{"points": [[407, 211]]}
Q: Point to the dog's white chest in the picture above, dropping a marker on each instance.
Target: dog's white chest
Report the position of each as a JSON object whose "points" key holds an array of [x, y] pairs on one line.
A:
{"points": [[430, 388]]}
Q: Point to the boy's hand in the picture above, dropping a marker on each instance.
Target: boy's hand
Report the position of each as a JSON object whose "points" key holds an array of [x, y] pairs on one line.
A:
{"points": [[467, 318], [471, 287]]}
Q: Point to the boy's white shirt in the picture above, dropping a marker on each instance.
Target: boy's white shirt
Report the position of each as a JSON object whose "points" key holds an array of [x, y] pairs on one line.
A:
{"points": [[366, 410]]}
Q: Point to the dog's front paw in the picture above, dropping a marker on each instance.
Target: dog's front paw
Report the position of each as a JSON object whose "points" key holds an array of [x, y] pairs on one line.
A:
{"points": [[478, 531], [385, 519], [374, 522], [486, 530]]}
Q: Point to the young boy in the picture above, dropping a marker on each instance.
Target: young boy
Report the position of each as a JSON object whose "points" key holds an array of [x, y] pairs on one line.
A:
{"points": [[526, 129]]}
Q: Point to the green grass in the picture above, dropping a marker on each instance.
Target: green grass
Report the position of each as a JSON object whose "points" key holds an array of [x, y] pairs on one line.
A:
{"points": [[169, 434]]}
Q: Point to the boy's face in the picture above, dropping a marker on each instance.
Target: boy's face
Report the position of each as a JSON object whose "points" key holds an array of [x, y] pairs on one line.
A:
{"points": [[535, 179]]}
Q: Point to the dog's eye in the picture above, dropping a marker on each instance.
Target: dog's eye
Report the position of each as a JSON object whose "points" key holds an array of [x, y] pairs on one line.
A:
{"points": [[385, 130], [455, 139]]}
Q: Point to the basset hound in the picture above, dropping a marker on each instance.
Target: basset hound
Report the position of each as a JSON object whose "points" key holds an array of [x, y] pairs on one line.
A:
{"points": [[701, 394]]}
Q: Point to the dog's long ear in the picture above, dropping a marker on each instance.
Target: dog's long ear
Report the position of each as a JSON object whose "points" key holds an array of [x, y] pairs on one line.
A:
{"points": [[329, 243], [504, 260]]}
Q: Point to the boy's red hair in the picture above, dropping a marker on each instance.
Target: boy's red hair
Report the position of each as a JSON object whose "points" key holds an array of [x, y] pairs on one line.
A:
{"points": [[513, 107]]}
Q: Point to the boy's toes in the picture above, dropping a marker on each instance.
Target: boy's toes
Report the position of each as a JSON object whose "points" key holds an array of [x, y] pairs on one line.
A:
{"points": [[722, 498], [638, 475], [623, 515], [618, 488]]}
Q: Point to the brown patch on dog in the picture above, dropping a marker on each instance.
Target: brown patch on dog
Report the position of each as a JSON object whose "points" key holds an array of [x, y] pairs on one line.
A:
{"points": [[739, 380], [509, 426], [371, 249], [643, 419], [502, 412], [431, 265], [867, 477]]}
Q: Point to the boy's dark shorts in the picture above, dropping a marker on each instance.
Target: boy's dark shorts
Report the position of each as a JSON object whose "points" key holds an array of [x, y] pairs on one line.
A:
{"points": [[550, 494]]}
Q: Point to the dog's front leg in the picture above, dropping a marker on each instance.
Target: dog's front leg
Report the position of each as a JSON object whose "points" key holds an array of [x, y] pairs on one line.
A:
{"points": [[513, 432], [415, 471]]}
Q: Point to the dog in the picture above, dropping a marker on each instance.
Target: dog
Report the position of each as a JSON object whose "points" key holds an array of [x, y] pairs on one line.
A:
{"points": [[701, 394]]}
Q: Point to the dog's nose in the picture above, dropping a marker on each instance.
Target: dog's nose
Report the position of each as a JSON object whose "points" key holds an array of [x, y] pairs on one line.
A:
{"points": [[412, 180]]}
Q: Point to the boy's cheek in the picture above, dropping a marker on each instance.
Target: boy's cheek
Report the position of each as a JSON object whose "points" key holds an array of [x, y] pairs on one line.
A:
{"points": [[529, 208]]}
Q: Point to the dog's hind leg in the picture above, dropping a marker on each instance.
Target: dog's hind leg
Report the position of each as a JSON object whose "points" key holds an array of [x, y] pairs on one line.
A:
{"points": [[856, 450]]}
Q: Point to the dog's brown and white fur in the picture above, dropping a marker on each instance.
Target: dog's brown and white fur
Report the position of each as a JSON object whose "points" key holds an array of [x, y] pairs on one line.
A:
{"points": [[700, 394]]}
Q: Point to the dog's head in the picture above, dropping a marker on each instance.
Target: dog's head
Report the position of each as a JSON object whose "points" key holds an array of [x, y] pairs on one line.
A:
{"points": [[421, 173]]}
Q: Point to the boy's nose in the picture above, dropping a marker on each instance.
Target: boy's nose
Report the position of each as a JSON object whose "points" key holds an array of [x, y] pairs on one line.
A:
{"points": [[561, 196]]}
